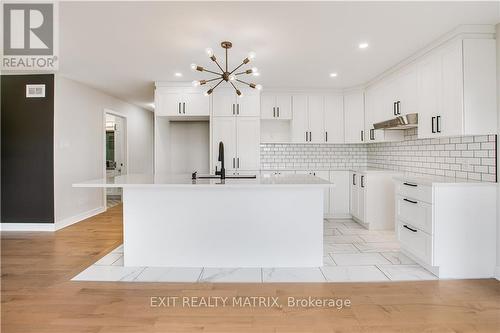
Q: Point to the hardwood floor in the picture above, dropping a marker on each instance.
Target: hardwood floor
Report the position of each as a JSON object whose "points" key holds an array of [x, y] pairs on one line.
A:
{"points": [[38, 296]]}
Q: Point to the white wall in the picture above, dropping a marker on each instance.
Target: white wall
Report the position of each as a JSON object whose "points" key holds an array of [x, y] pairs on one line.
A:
{"points": [[498, 145], [79, 146]]}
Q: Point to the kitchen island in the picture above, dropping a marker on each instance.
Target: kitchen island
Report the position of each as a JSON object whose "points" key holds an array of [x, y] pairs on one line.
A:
{"points": [[174, 221]]}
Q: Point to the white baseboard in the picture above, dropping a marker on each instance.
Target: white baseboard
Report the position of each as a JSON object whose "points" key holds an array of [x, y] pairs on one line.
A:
{"points": [[497, 273], [77, 218], [27, 227]]}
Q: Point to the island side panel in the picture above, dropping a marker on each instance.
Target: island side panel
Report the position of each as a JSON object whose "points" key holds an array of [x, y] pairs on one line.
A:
{"points": [[223, 227]]}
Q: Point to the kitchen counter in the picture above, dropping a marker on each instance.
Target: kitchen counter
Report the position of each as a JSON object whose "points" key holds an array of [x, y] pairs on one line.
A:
{"points": [[173, 221], [184, 180], [440, 180]]}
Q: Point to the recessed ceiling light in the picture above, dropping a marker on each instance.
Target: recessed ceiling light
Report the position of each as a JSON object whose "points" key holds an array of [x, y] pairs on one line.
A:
{"points": [[333, 74], [363, 45], [178, 74]]}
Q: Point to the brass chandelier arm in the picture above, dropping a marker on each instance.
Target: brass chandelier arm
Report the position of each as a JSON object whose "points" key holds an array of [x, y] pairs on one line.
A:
{"points": [[233, 86], [217, 84], [234, 70], [241, 81], [209, 71], [217, 63]]}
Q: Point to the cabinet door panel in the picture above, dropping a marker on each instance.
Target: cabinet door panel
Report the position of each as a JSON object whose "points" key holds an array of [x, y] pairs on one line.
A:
{"points": [[407, 90], [361, 198], [326, 196], [196, 104], [315, 106], [169, 104], [354, 118], [339, 193], [299, 119], [450, 121], [284, 106], [248, 138], [268, 105], [334, 119], [224, 103], [248, 105], [428, 90], [224, 129], [354, 180]]}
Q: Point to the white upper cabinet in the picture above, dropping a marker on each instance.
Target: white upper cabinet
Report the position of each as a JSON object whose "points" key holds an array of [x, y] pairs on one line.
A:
{"points": [[457, 89], [354, 114], [405, 95], [334, 119], [181, 102], [276, 106], [300, 120], [315, 107], [225, 102]]}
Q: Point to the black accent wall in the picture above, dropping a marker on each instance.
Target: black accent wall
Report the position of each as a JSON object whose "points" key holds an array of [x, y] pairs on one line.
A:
{"points": [[27, 135]]}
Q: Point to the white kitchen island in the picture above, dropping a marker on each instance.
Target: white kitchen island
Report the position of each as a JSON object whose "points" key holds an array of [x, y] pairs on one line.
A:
{"points": [[173, 221]]}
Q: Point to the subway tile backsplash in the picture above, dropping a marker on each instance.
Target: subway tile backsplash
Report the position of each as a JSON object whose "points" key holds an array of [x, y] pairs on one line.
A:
{"points": [[472, 157]]}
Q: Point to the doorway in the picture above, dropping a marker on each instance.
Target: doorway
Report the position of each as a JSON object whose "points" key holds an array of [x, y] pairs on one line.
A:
{"points": [[115, 150]]}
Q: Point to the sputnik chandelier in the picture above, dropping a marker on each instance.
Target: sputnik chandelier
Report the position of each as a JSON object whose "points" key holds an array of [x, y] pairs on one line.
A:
{"points": [[225, 74]]}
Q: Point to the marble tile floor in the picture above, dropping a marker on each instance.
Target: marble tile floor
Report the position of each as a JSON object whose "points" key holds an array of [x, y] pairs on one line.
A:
{"points": [[351, 254]]}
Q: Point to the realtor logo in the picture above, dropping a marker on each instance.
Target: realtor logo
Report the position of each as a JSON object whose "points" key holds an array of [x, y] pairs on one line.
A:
{"points": [[29, 36]]}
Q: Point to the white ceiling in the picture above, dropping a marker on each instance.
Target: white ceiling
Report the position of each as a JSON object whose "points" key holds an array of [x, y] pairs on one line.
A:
{"points": [[123, 47]]}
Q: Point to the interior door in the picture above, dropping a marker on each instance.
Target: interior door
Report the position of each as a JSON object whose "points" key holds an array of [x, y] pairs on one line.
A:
{"points": [[197, 104], [224, 103], [268, 106], [299, 119], [354, 114], [169, 104], [248, 139], [224, 129], [334, 119], [248, 105], [316, 106], [284, 106]]}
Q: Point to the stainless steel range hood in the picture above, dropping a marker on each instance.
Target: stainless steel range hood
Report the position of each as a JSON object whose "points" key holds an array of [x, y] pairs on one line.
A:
{"points": [[400, 122]]}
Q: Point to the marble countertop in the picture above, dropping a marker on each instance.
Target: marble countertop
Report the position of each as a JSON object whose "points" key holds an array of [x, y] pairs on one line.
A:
{"points": [[374, 170], [184, 180], [439, 180]]}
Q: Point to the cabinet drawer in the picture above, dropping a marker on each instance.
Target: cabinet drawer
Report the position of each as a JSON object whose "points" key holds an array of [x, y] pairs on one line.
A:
{"points": [[414, 212], [415, 241], [415, 191]]}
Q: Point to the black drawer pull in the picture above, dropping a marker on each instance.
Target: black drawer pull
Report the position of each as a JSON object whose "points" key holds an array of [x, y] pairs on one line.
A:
{"points": [[410, 201], [412, 185], [411, 229]]}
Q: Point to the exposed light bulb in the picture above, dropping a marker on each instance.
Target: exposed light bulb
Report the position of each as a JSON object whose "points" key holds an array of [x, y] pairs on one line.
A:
{"points": [[241, 95], [209, 52], [232, 77], [259, 87], [256, 74], [255, 70], [193, 67], [206, 94], [251, 55], [196, 83]]}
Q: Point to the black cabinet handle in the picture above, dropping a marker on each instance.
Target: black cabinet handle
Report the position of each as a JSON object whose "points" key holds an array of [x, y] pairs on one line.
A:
{"points": [[310, 136], [234, 163], [409, 184], [326, 136], [372, 134], [274, 112], [410, 201], [432, 123], [394, 108], [353, 179], [306, 136], [184, 107], [362, 136], [438, 124], [278, 111], [179, 107], [398, 106], [362, 181], [411, 229], [237, 109]]}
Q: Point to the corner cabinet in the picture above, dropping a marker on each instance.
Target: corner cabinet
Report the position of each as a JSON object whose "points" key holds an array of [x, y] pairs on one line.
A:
{"points": [[181, 102], [456, 87]]}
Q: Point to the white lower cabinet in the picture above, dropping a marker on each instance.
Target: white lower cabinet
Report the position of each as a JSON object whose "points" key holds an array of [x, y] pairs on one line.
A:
{"points": [[372, 199], [339, 194], [326, 197], [449, 228]]}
